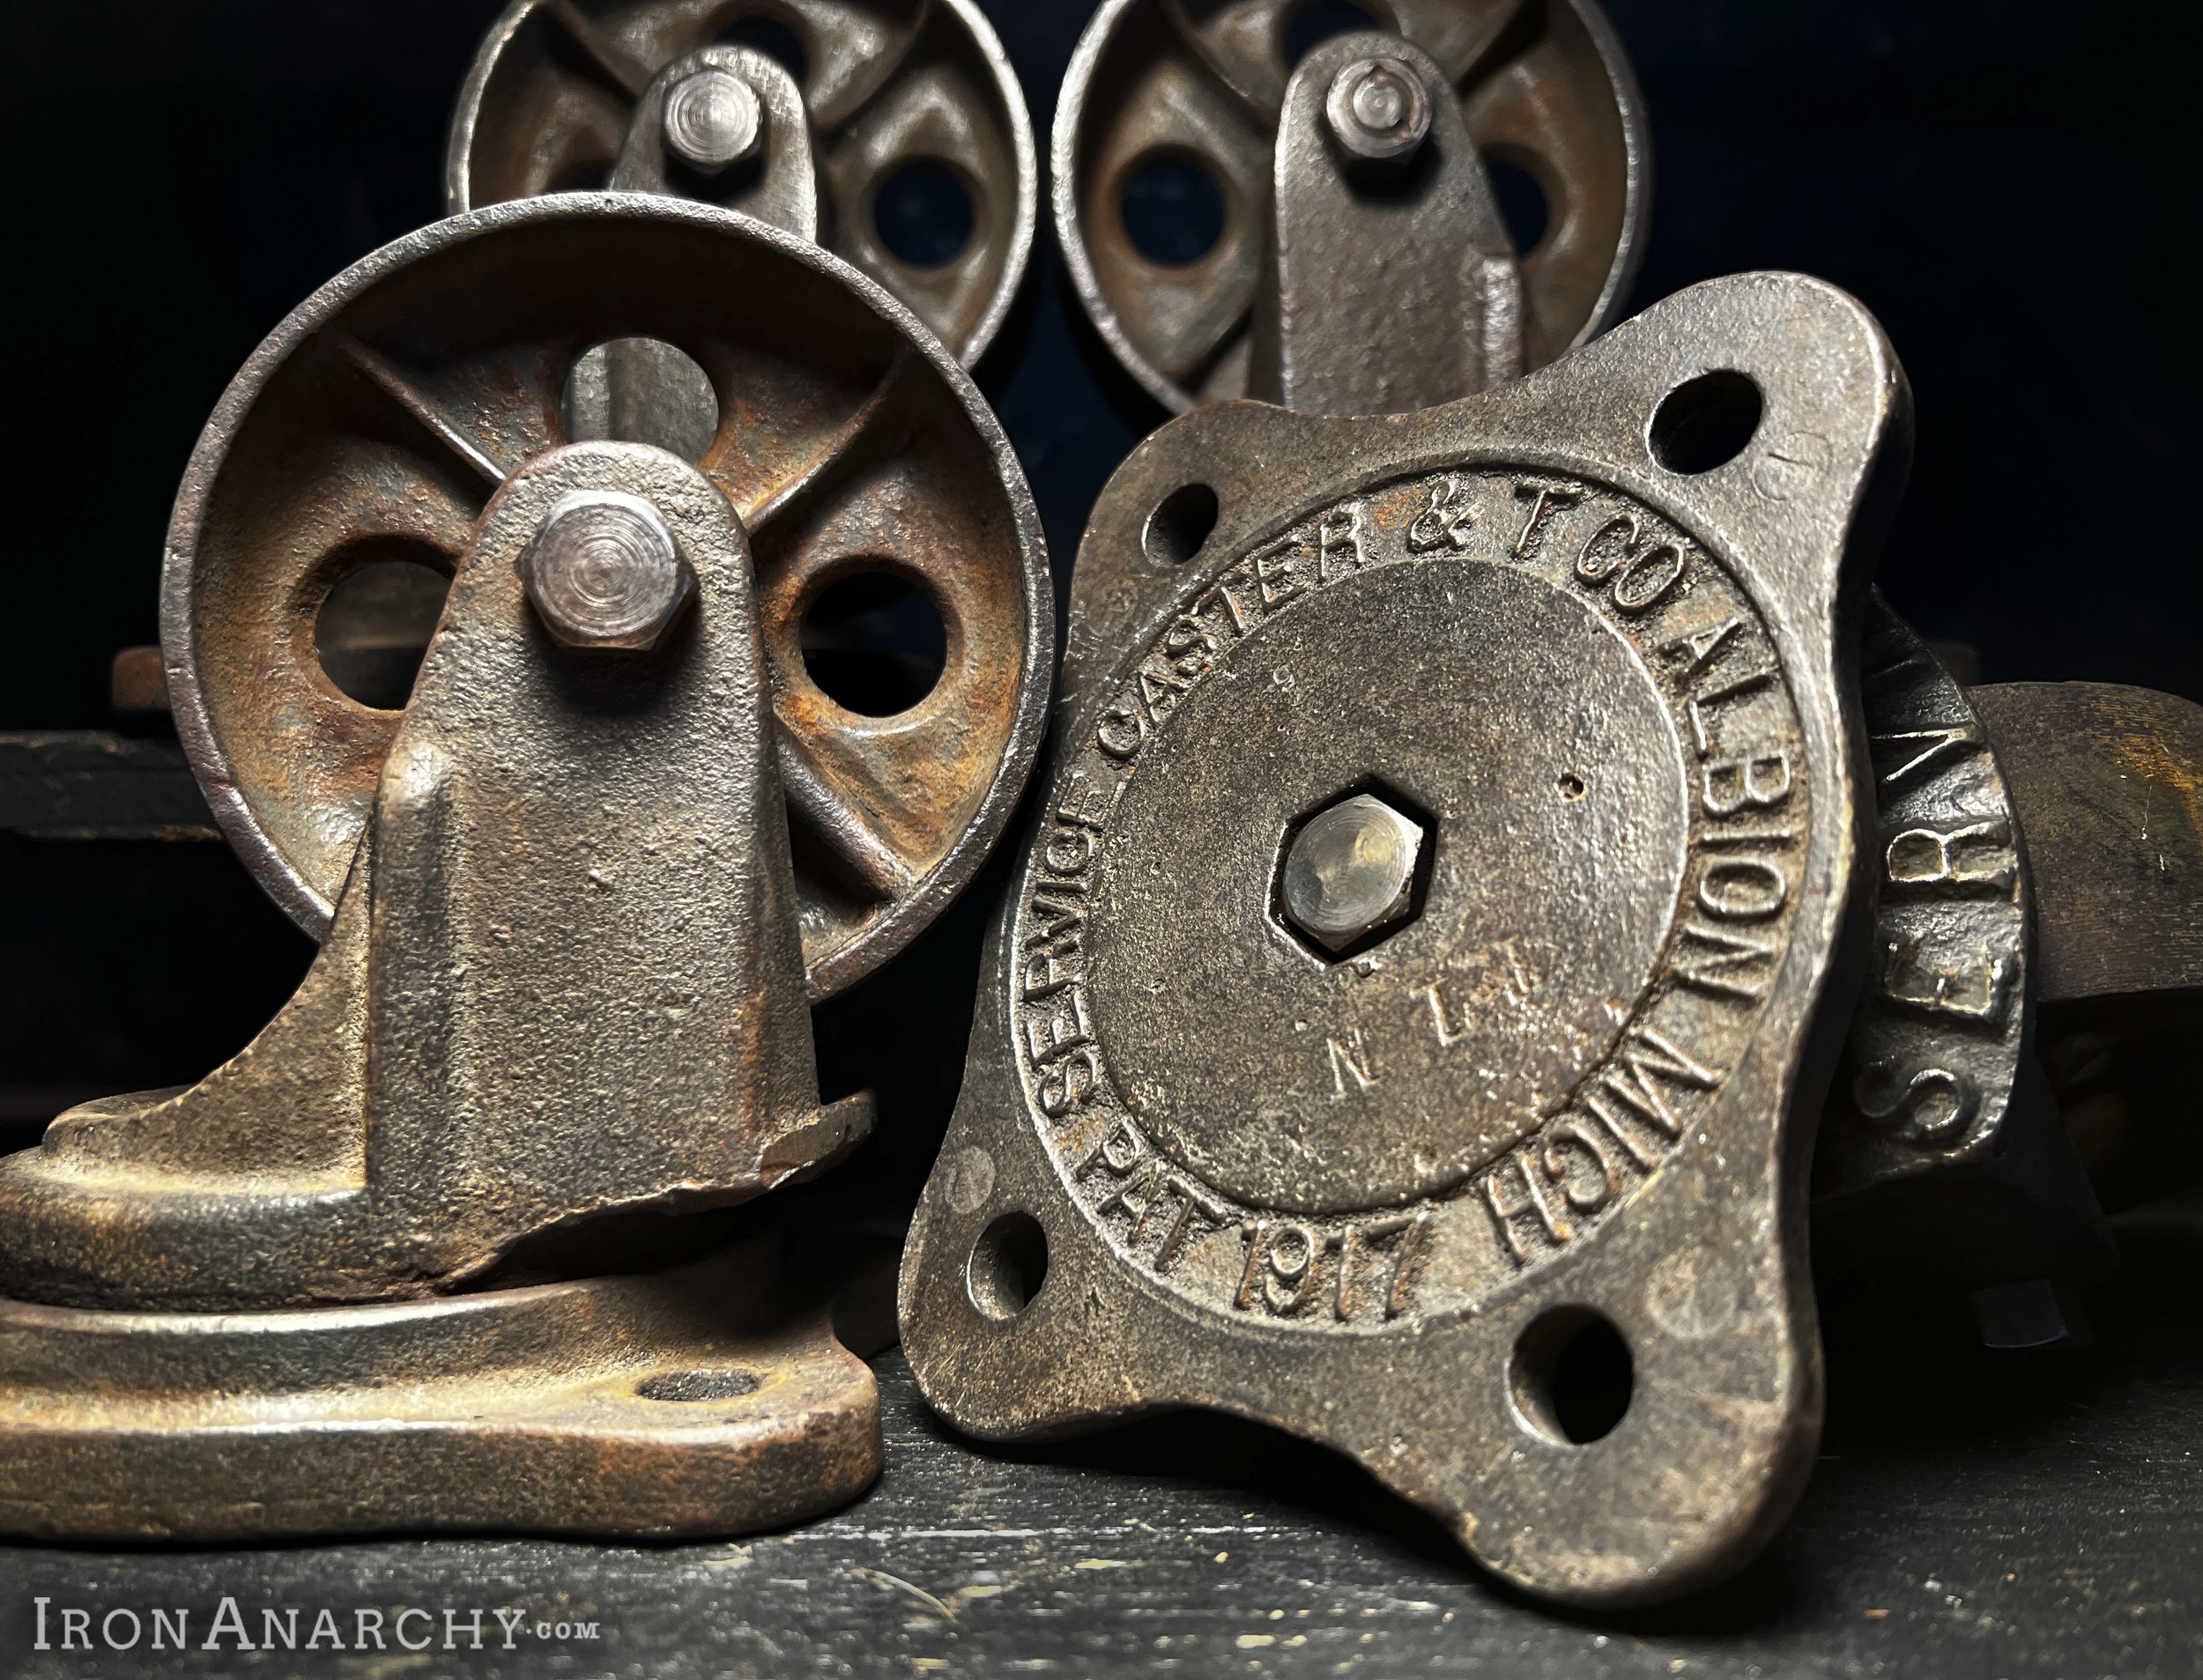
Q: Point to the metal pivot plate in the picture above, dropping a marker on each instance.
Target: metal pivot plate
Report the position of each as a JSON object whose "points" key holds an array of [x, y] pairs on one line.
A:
{"points": [[1392, 283], [569, 96], [699, 1401], [1198, 85], [377, 421], [1595, 678]]}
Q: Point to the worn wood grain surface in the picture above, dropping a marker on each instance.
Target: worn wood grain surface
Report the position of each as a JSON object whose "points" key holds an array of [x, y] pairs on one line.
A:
{"points": [[93, 784], [1969, 1517]]}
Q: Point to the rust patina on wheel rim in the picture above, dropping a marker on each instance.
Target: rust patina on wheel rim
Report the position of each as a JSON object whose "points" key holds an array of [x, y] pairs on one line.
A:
{"points": [[886, 83], [375, 418], [1202, 80]]}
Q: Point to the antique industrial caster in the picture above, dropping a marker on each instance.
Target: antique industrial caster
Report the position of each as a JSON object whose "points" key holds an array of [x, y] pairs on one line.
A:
{"points": [[828, 118], [1456, 886], [390, 1267], [1441, 926], [1198, 199], [1480, 834]]}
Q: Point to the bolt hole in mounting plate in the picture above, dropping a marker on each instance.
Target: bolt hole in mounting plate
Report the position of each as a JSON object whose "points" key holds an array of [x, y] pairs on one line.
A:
{"points": [[927, 176], [1705, 422], [1573, 1375], [1161, 166], [1180, 526], [698, 1388], [1008, 1265], [377, 421]]}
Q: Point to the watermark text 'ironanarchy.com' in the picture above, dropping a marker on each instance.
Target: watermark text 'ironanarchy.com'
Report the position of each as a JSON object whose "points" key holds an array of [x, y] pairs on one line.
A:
{"points": [[230, 1627]]}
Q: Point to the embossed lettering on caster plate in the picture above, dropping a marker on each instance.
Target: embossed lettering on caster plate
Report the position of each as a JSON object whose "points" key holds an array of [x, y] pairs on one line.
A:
{"points": [[2036, 908], [1364, 268], [1500, 1189], [563, 992], [880, 100], [1943, 1160]]}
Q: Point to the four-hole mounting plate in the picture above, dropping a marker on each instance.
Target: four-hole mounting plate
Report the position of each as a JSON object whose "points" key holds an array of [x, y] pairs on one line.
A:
{"points": [[1503, 1196]]}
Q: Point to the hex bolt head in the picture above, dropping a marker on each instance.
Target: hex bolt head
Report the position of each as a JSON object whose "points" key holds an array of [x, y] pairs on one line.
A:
{"points": [[1351, 871], [1378, 110], [604, 572], [713, 119]]}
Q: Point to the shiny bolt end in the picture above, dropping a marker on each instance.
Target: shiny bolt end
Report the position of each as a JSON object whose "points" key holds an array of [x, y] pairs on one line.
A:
{"points": [[1350, 872], [1378, 110], [604, 572], [713, 119]]}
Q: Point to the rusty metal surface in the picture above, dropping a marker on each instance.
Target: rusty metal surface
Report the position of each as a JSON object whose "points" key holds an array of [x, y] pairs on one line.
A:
{"points": [[704, 1401], [382, 416], [563, 998], [2109, 783], [1975, 1107], [552, 105], [2043, 857], [1544, 87], [1389, 283], [1943, 1044], [1943, 1159], [1392, 284], [137, 685], [565, 980], [1377, 1201]]}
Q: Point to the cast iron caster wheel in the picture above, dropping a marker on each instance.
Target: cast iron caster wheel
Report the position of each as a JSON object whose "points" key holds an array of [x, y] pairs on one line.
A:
{"points": [[920, 154], [901, 580], [1161, 165]]}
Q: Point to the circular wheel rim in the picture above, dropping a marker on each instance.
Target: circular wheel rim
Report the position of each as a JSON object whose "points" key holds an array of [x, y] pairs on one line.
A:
{"points": [[289, 763], [932, 66], [1181, 332]]}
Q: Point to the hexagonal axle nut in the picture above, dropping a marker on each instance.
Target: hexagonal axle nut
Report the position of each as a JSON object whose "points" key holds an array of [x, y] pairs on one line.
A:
{"points": [[604, 572], [1349, 872]]}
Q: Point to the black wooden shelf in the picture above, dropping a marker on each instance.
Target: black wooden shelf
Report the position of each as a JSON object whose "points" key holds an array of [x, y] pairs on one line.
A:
{"points": [[1970, 1517]]}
